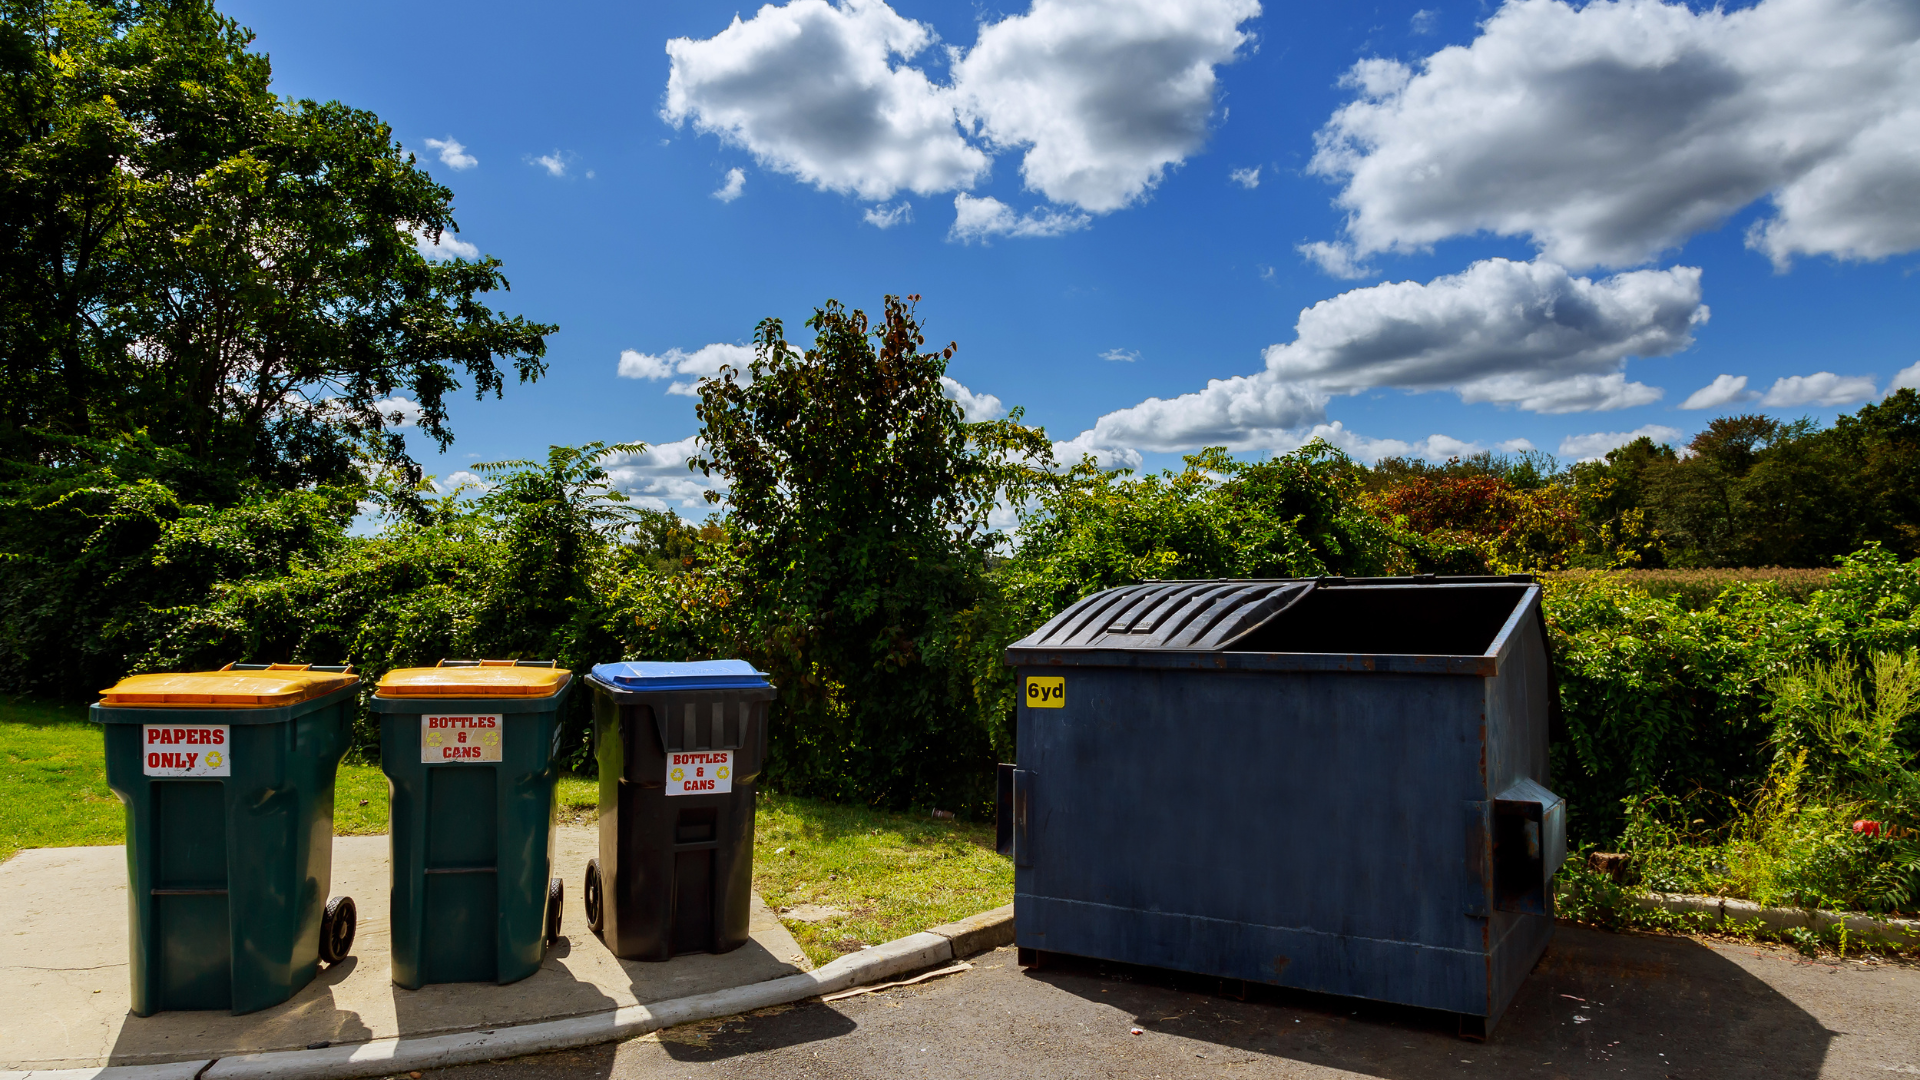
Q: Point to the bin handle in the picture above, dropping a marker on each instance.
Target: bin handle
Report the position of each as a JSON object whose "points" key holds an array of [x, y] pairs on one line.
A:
{"points": [[244, 665]]}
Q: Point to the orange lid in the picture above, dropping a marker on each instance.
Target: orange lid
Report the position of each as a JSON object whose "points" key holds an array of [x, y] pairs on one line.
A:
{"points": [[280, 684], [485, 681]]}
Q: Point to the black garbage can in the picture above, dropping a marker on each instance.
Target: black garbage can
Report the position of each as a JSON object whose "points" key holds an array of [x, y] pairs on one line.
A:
{"points": [[1336, 785], [680, 747]]}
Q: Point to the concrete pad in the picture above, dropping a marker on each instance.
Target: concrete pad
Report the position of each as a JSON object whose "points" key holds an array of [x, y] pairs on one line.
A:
{"points": [[64, 985]]}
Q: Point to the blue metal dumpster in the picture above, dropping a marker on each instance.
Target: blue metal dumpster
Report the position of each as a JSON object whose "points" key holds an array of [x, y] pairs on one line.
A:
{"points": [[1331, 785]]}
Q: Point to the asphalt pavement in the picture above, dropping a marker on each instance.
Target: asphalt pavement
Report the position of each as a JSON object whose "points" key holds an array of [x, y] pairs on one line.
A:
{"points": [[1599, 1005]]}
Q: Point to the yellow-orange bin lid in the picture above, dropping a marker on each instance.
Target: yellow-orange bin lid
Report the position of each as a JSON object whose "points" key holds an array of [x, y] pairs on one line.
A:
{"points": [[486, 681], [287, 684]]}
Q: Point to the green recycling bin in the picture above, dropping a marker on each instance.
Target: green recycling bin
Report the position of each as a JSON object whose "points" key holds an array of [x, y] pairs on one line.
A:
{"points": [[227, 777], [468, 749]]}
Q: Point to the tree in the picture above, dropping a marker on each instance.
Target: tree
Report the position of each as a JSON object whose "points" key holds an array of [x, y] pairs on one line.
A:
{"points": [[1883, 442], [859, 497], [206, 293], [1612, 496], [1302, 514], [235, 274]]}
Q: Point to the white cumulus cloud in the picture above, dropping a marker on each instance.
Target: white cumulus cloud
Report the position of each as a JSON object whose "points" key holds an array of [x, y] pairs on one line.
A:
{"points": [[986, 217], [448, 246], [1723, 390], [1518, 446], [658, 477], [704, 362], [1525, 334], [1907, 379], [1370, 450], [1106, 95], [1337, 260], [1245, 412], [1614, 130], [811, 90], [453, 155], [732, 189], [555, 163], [1099, 97], [1069, 453], [1246, 178], [975, 407], [399, 412], [1594, 447], [886, 217], [1123, 356], [1528, 335], [461, 478], [1820, 388]]}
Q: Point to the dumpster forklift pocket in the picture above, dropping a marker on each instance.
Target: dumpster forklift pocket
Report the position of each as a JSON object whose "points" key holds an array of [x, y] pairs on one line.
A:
{"points": [[1529, 844]]}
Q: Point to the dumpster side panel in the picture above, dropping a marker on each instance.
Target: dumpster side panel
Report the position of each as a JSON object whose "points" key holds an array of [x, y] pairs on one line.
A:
{"points": [[1278, 827], [1517, 709]]}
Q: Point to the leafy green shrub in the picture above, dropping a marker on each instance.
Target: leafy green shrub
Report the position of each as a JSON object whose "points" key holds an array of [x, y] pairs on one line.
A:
{"points": [[1695, 589], [1655, 698], [1301, 514], [859, 499]]}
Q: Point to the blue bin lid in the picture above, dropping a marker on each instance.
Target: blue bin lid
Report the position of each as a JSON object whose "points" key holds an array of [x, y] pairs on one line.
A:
{"points": [[698, 675]]}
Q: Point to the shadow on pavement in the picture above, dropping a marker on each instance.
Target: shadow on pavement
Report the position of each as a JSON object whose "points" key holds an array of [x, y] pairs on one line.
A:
{"points": [[1596, 1005], [765, 1029], [314, 1013], [555, 990]]}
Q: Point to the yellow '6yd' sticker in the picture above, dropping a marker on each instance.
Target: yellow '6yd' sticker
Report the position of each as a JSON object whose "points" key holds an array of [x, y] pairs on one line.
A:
{"points": [[1047, 691]]}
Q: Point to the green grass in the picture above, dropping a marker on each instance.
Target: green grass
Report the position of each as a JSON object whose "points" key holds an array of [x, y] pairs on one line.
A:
{"points": [[891, 874], [53, 779], [887, 874]]}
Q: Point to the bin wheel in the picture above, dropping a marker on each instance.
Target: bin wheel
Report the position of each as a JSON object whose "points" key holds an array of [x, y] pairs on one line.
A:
{"points": [[590, 896], [337, 925], [556, 899]]}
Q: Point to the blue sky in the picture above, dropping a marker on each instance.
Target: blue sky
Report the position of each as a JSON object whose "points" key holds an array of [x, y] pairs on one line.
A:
{"points": [[1526, 222]]}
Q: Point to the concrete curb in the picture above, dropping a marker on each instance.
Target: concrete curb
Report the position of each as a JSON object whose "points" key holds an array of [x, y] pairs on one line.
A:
{"points": [[1862, 928], [926, 949]]}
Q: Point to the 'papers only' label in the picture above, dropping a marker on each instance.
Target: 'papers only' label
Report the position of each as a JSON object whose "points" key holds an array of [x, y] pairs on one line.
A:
{"points": [[459, 738], [186, 750], [708, 772]]}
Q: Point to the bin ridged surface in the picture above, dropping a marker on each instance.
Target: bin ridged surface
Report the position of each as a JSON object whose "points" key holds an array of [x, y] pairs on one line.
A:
{"points": [[677, 871], [1301, 798], [472, 843], [228, 877]]}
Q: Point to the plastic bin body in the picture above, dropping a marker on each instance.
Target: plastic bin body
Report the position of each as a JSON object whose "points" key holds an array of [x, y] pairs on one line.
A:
{"points": [[472, 840], [676, 870], [1322, 797], [227, 875]]}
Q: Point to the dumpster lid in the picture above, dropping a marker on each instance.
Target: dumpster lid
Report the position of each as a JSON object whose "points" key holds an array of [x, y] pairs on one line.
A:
{"points": [[1204, 615], [697, 675], [232, 687], [466, 679]]}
